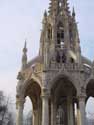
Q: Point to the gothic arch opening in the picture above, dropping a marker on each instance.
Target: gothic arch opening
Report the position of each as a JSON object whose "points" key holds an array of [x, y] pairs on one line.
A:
{"points": [[60, 5], [90, 101], [27, 114], [64, 96], [60, 35], [33, 91], [90, 88], [60, 50], [90, 110], [49, 32]]}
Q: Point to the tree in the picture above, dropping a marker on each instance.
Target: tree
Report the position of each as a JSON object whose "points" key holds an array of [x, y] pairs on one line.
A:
{"points": [[10, 122], [28, 118], [5, 115]]}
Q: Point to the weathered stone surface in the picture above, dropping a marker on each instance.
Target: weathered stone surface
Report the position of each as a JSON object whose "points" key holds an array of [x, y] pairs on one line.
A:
{"points": [[59, 77]]}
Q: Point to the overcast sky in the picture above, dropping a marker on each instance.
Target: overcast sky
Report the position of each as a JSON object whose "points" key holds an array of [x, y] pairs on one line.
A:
{"points": [[20, 20]]}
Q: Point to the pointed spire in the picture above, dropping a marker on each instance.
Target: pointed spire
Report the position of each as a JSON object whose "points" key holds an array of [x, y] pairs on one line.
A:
{"points": [[45, 13], [66, 7], [24, 57], [53, 7], [56, 5], [73, 12], [45, 18], [50, 7], [65, 2], [25, 47]]}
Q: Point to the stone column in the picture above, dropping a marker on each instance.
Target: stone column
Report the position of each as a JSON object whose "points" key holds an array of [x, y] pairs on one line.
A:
{"points": [[45, 107], [78, 118], [70, 111], [40, 113], [82, 109], [52, 113], [20, 107], [35, 117], [73, 113]]}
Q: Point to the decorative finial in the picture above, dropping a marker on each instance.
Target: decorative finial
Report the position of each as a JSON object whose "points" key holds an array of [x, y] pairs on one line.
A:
{"points": [[24, 57], [73, 12], [45, 13], [25, 47], [45, 17]]}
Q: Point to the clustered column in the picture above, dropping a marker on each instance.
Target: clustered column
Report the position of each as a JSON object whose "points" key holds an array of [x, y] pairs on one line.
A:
{"points": [[45, 107], [35, 117], [52, 112], [82, 109], [20, 107], [81, 116], [70, 111]]}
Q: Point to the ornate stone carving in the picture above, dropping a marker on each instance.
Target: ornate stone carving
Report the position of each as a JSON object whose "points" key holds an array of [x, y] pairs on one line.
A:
{"points": [[20, 76], [58, 71]]}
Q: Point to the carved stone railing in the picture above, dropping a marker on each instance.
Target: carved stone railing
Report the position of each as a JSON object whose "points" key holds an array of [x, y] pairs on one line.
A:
{"points": [[38, 68], [65, 66]]}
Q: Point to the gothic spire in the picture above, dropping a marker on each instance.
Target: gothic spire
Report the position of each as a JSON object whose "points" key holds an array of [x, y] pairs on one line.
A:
{"points": [[24, 57], [52, 6], [45, 13], [45, 17], [55, 6], [73, 13]]}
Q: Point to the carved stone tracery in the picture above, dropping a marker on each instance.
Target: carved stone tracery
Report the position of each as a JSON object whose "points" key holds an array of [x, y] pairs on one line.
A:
{"points": [[59, 76]]}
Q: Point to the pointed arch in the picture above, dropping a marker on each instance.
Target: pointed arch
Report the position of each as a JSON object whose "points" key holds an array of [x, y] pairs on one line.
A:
{"points": [[63, 76], [90, 87], [63, 88], [33, 85], [88, 80], [49, 31], [60, 33]]}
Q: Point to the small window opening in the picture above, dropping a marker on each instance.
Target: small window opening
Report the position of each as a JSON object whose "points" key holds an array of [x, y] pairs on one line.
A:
{"points": [[60, 4], [60, 34], [71, 60], [61, 58], [70, 32], [60, 37], [62, 44], [58, 58], [50, 33]]}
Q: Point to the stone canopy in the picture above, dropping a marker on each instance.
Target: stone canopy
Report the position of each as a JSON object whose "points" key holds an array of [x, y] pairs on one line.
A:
{"points": [[59, 80]]}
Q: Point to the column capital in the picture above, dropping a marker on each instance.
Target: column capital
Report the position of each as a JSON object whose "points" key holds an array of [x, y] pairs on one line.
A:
{"points": [[45, 93], [82, 97], [82, 109], [19, 106], [45, 106], [20, 102]]}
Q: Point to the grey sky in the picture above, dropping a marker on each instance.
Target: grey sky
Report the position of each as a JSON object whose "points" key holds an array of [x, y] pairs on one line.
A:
{"points": [[20, 20]]}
